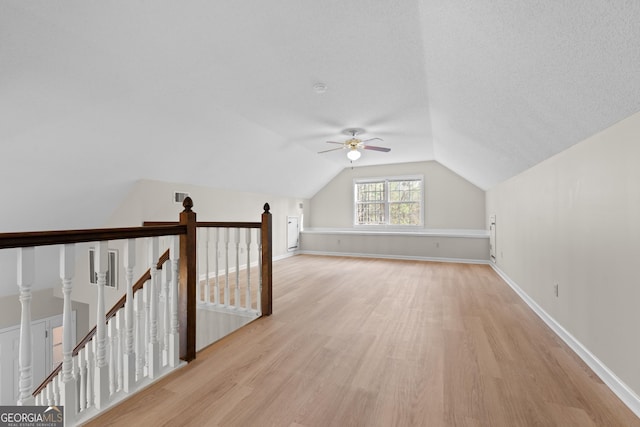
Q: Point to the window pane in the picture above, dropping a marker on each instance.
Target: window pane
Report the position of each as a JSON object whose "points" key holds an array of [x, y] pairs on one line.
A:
{"points": [[57, 355], [405, 191], [370, 213], [370, 192], [57, 335], [404, 213]]}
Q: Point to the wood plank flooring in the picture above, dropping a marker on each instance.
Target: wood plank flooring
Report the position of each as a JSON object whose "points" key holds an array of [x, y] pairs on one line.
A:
{"points": [[371, 342]]}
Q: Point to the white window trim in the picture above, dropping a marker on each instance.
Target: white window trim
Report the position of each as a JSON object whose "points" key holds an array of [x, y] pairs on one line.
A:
{"points": [[386, 179]]}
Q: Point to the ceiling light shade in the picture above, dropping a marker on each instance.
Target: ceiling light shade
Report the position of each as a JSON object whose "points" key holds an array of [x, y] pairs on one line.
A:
{"points": [[353, 154]]}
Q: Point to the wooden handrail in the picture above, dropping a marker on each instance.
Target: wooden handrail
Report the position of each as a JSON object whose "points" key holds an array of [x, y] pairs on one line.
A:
{"points": [[207, 224], [146, 276], [45, 238], [229, 224]]}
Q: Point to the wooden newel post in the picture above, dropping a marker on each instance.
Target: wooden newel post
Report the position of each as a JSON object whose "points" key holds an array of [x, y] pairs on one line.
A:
{"points": [[187, 284], [267, 266]]}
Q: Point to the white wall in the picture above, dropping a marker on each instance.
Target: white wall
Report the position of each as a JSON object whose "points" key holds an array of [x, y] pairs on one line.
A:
{"points": [[43, 305], [153, 201], [575, 220], [46, 274], [451, 201]]}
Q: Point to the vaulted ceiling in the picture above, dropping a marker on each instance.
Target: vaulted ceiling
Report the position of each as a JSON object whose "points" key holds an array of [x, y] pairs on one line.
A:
{"points": [[97, 94]]}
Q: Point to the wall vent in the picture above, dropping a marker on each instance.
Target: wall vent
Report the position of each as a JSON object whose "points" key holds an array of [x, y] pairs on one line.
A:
{"points": [[179, 196]]}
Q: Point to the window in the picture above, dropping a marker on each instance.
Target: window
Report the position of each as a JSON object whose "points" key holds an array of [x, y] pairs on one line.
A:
{"points": [[112, 268], [56, 345], [393, 201]]}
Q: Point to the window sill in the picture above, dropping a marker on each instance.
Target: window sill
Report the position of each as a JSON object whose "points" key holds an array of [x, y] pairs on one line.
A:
{"points": [[465, 233]]}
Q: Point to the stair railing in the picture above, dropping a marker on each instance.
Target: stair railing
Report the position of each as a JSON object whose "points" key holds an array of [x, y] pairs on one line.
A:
{"points": [[227, 253], [122, 349]]}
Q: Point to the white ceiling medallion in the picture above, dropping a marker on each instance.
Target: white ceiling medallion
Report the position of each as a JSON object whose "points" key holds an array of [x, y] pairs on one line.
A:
{"points": [[320, 87]]}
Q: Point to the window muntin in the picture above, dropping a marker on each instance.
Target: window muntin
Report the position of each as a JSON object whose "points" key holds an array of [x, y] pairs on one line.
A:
{"points": [[388, 201]]}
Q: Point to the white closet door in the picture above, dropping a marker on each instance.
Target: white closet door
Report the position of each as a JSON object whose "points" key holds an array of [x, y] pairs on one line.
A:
{"points": [[9, 353], [293, 233]]}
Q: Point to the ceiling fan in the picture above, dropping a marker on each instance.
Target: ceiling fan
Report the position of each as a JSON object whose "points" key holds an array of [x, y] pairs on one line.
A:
{"points": [[354, 144]]}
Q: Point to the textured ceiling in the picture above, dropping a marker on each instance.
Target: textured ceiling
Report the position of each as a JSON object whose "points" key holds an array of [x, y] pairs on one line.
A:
{"points": [[95, 95]]}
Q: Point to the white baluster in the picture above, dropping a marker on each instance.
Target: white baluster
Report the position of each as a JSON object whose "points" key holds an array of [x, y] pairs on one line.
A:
{"points": [[259, 297], [146, 292], [112, 355], [76, 377], [216, 288], [68, 386], [140, 333], [50, 401], [120, 335], [82, 367], [227, 292], [236, 301], [121, 332], [174, 345], [26, 269], [166, 315], [248, 242], [207, 289], [153, 362], [128, 365], [199, 293], [102, 369], [56, 390], [89, 354]]}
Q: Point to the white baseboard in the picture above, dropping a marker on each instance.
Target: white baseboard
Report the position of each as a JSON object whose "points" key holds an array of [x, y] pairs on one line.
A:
{"points": [[628, 396], [284, 256], [402, 257]]}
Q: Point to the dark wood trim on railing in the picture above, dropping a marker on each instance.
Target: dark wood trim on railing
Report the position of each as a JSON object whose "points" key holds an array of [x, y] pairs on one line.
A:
{"points": [[45, 238], [117, 306], [209, 224], [229, 224], [267, 262]]}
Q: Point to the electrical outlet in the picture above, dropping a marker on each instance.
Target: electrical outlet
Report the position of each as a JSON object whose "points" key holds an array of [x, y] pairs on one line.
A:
{"points": [[556, 290]]}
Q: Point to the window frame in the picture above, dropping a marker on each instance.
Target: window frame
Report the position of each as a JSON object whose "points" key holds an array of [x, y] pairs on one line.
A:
{"points": [[112, 268], [387, 203]]}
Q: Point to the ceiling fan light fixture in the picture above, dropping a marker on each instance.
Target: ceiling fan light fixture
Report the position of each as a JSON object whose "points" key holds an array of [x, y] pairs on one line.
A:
{"points": [[353, 154]]}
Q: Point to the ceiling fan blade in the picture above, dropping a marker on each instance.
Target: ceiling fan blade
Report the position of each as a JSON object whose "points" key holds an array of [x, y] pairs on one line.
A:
{"points": [[372, 139], [373, 147], [333, 149], [333, 142]]}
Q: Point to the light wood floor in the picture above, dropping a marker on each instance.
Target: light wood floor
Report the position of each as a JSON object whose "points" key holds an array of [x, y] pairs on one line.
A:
{"points": [[363, 342]]}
